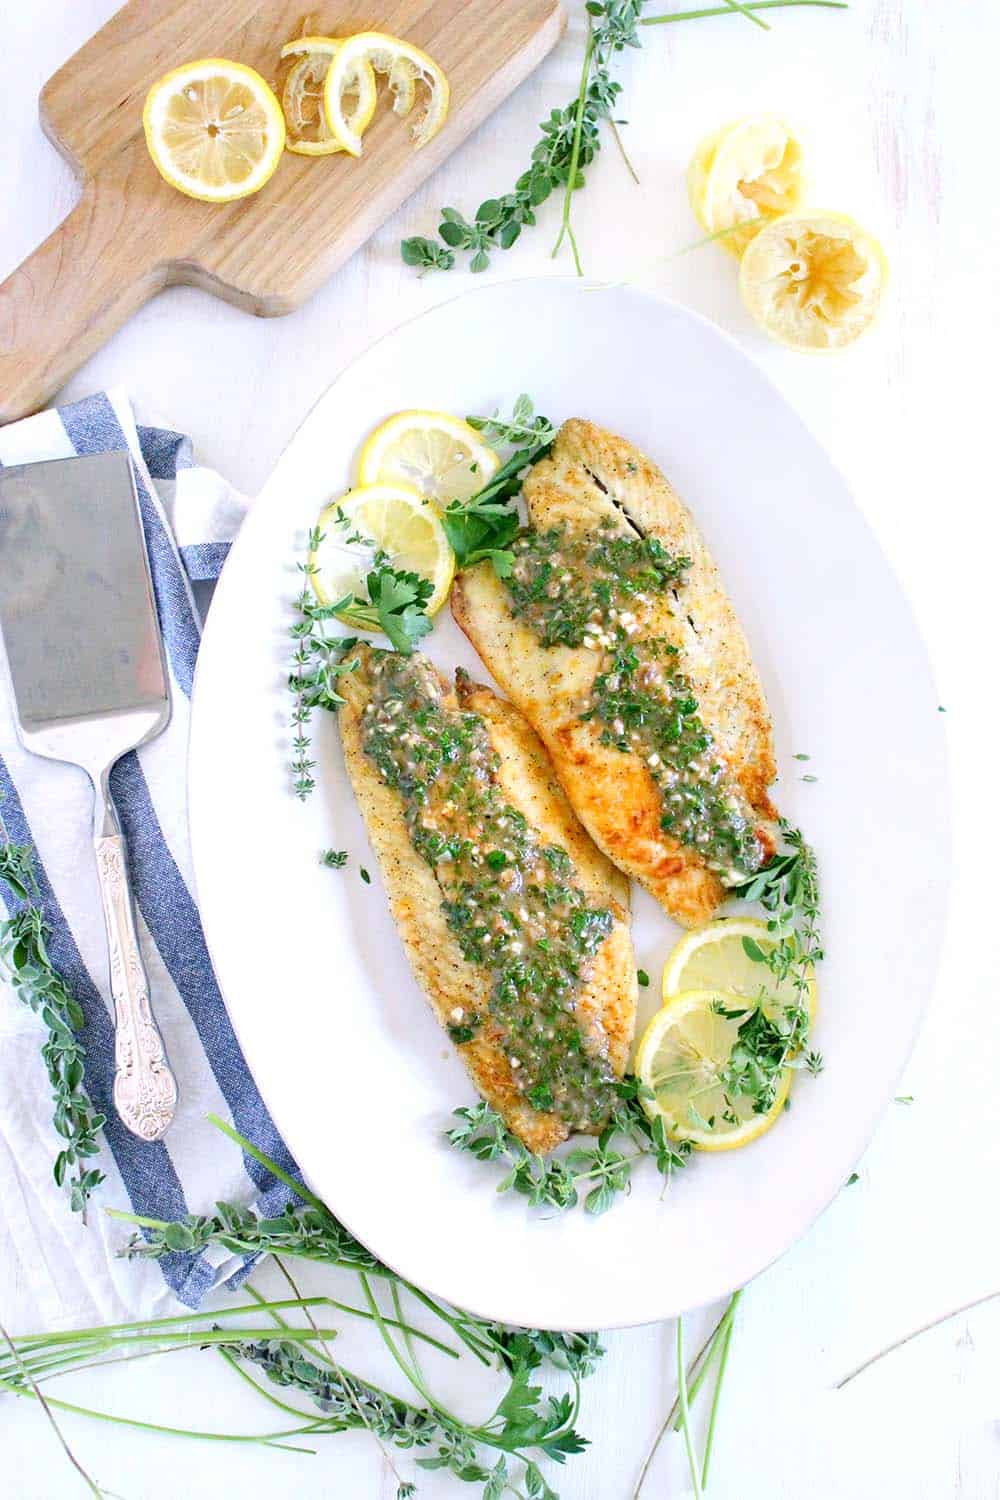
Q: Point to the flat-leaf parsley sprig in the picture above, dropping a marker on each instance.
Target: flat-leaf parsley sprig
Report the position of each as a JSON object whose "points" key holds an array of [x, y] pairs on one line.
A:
{"points": [[596, 1174], [483, 526], [24, 954]]}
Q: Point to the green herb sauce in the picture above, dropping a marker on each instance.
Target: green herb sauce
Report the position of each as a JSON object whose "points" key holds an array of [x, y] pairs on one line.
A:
{"points": [[593, 591], [511, 900], [569, 590]]}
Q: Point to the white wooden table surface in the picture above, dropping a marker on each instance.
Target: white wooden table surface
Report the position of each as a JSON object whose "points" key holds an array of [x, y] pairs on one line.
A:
{"points": [[895, 100]]}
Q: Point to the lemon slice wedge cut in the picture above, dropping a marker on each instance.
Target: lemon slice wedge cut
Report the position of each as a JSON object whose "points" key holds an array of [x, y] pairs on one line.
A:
{"points": [[404, 66], [682, 1059], [394, 520], [214, 129], [743, 175], [721, 955], [440, 454], [814, 281], [302, 96]]}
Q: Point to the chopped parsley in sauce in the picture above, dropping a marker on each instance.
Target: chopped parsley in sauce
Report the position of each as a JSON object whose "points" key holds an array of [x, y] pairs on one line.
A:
{"points": [[572, 590], [510, 899], [593, 591]]}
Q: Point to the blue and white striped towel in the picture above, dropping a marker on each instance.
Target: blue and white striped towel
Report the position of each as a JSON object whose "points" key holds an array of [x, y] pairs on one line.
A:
{"points": [[190, 516]]}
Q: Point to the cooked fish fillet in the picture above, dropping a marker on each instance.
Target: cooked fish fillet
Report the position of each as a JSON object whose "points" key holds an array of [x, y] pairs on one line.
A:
{"points": [[606, 1005], [593, 477]]}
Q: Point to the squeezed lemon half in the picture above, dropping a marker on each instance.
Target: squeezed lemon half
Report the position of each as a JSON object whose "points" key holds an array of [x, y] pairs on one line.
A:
{"points": [[302, 96], [395, 519], [440, 454], [814, 281], [404, 66], [743, 175], [214, 129]]}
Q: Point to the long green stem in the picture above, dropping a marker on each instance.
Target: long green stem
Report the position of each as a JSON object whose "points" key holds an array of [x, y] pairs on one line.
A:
{"points": [[713, 1414], [751, 5], [566, 227], [682, 1392], [745, 10], [266, 1161], [94, 1488]]}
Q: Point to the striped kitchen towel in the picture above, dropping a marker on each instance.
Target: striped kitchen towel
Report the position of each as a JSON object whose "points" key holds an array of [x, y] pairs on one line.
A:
{"points": [[189, 516]]}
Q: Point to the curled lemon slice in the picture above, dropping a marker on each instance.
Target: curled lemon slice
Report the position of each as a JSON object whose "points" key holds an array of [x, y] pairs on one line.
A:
{"points": [[302, 96], [440, 454], [814, 281], [743, 175], [683, 1057], [723, 955], [214, 129], [393, 519], [404, 66]]}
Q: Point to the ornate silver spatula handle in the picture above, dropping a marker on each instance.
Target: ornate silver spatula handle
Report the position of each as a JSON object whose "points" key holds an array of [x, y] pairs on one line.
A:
{"points": [[145, 1091]]}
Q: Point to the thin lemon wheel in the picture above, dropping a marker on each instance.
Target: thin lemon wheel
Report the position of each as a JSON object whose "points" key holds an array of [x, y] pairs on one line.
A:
{"points": [[394, 519], [404, 66], [214, 129], [302, 96], [715, 957], [744, 175], [441, 455], [814, 281], [680, 1056]]}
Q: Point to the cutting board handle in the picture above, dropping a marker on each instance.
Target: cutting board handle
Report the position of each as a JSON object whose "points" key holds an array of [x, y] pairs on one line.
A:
{"points": [[69, 296]]}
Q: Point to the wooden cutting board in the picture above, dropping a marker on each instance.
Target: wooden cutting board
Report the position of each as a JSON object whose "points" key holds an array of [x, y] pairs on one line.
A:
{"points": [[132, 234]]}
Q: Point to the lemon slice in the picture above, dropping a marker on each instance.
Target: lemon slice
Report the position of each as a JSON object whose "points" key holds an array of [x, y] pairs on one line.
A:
{"points": [[394, 519], [742, 176], [440, 454], [716, 957], [404, 65], [302, 96], [214, 129], [815, 281], [684, 1047]]}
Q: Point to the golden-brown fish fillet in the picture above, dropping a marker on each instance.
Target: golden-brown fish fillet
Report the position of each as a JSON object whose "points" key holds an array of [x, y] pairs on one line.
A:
{"points": [[592, 477], [606, 1005]]}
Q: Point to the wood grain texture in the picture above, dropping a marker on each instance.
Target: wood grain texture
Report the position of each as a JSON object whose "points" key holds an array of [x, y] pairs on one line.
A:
{"points": [[133, 234]]}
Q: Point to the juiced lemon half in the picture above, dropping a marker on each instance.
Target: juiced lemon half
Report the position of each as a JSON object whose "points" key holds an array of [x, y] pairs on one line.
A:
{"points": [[814, 281], [743, 175]]}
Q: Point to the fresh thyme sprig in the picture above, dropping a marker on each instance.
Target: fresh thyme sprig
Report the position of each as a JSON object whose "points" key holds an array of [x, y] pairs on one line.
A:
{"points": [[24, 955], [598, 1173], [570, 139], [482, 526]]}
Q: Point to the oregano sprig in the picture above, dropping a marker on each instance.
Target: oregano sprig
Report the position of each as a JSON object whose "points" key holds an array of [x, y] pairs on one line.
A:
{"points": [[597, 1173], [24, 954]]}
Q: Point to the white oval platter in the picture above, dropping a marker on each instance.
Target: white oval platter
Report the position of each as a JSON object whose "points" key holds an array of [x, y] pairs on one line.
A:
{"points": [[358, 1076]]}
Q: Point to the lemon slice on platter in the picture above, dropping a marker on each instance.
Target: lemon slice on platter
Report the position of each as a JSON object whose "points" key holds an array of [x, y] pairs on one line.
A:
{"points": [[404, 66], [214, 129], [814, 281], [440, 454], [394, 519], [744, 175], [302, 96], [683, 1056], [720, 955]]}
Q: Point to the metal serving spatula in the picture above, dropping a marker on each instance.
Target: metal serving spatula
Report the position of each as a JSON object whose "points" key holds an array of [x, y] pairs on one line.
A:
{"points": [[90, 682]]}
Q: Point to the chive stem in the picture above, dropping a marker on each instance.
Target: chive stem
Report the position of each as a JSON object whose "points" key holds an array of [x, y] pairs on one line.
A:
{"points": [[682, 1392], [751, 5]]}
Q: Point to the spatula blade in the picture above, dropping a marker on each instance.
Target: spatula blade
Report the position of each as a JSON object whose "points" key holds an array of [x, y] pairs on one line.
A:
{"points": [[76, 603]]}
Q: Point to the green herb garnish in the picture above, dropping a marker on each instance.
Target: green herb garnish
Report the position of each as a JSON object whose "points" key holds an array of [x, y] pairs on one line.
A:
{"points": [[483, 527], [24, 954], [334, 859]]}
